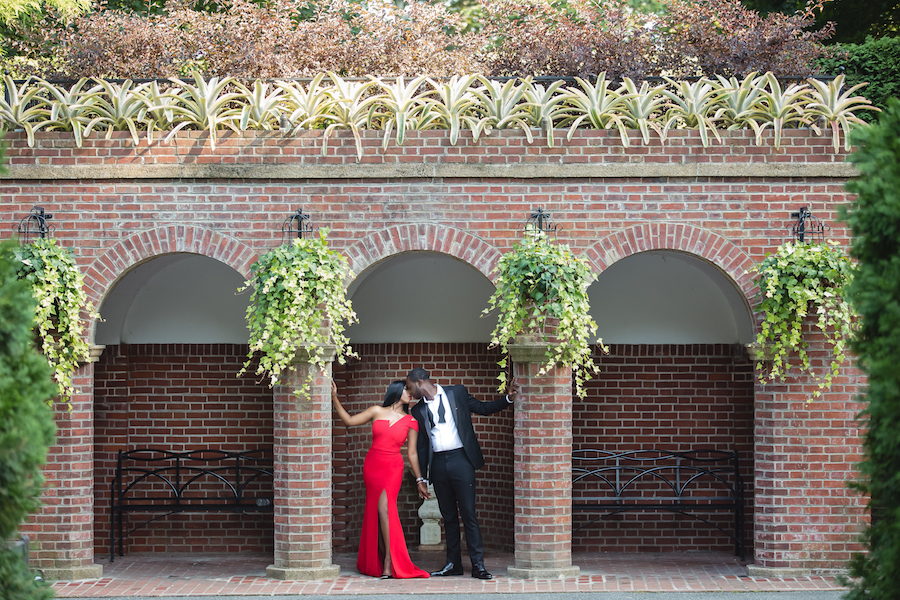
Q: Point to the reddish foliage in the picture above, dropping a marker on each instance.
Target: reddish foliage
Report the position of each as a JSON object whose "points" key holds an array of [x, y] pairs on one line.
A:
{"points": [[519, 38], [530, 37], [725, 38]]}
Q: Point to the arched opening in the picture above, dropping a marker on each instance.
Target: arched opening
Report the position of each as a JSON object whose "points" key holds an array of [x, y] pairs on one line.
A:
{"points": [[669, 297], [421, 309], [677, 378], [175, 337]]}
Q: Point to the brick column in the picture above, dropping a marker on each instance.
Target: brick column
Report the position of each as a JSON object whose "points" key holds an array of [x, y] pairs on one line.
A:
{"points": [[63, 531], [543, 468], [806, 518], [302, 439]]}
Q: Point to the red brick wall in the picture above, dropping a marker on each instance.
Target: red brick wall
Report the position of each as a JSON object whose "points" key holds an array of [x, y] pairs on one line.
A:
{"points": [[179, 397], [368, 218], [671, 398], [363, 382], [728, 204]]}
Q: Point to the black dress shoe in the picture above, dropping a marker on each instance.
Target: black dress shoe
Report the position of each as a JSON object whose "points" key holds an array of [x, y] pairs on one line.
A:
{"points": [[479, 572], [449, 569]]}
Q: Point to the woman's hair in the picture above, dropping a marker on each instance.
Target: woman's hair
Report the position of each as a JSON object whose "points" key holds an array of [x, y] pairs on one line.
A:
{"points": [[393, 393]]}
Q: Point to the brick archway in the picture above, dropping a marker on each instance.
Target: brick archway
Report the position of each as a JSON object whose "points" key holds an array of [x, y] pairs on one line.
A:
{"points": [[113, 412], [107, 269], [675, 383], [679, 237], [425, 237]]}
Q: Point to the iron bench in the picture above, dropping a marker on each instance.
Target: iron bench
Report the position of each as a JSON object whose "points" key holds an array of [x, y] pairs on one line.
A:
{"points": [[162, 483], [690, 483]]}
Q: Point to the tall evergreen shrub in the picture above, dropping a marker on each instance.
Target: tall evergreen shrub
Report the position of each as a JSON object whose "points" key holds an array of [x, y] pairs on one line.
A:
{"points": [[876, 62], [875, 222], [26, 425]]}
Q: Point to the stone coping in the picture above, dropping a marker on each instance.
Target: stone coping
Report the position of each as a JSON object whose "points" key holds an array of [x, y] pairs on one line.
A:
{"points": [[429, 171]]}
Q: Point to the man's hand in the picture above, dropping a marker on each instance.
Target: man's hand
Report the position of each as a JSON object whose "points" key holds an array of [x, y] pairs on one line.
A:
{"points": [[513, 390]]}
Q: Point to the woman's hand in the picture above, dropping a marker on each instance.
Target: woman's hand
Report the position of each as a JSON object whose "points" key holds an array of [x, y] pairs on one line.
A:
{"points": [[422, 488]]}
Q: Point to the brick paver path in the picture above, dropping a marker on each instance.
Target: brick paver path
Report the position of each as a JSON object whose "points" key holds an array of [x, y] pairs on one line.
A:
{"points": [[241, 574]]}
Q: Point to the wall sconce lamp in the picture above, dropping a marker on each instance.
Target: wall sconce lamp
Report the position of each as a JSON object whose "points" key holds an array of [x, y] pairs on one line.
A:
{"points": [[297, 225], [808, 228], [540, 221], [34, 226]]}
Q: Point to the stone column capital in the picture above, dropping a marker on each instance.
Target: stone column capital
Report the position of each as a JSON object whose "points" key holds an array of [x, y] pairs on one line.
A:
{"points": [[528, 349], [96, 352], [304, 353]]}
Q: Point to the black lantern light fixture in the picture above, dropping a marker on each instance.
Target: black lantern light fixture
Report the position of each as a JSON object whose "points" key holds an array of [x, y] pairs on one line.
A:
{"points": [[541, 221], [34, 226], [297, 225], [807, 228]]}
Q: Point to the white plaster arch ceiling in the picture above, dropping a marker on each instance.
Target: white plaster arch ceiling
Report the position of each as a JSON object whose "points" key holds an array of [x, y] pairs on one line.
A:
{"points": [[176, 298], [648, 298], [668, 297], [420, 296]]}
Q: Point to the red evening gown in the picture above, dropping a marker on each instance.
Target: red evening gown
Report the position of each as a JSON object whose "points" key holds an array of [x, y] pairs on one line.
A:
{"points": [[383, 473]]}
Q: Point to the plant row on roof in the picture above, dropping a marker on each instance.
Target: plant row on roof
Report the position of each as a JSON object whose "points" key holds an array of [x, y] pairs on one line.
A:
{"points": [[395, 106]]}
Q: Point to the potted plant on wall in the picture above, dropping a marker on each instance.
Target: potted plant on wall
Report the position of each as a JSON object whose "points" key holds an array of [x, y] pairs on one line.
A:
{"points": [[298, 305], [57, 286], [795, 281], [541, 297]]}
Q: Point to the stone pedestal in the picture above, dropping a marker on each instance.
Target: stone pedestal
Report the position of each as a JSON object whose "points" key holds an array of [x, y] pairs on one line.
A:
{"points": [[302, 437], [430, 531], [543, 468]]}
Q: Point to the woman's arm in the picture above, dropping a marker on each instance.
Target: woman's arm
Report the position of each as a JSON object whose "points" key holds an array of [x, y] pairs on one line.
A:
{"points": [[412, 439], [348, 420]]}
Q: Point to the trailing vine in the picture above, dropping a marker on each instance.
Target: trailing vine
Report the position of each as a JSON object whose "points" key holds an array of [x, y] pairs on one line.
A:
{"points": [[541, 284], [795, 281], [298, 301], [57, 285]]}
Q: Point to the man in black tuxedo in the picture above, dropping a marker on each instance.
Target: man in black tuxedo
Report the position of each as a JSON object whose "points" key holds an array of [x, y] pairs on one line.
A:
{"points": [[449, 455]]}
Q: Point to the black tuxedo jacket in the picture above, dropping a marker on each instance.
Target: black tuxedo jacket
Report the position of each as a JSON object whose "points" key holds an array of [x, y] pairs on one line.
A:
{"points": [[462, 405]]}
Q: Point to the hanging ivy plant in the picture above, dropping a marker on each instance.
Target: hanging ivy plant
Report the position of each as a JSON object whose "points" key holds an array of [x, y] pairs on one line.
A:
{"points": [[57, 285], [796, 281], [541, 290], [298, 301]]}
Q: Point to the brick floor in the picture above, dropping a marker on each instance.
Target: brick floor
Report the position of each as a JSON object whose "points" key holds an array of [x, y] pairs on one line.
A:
{"points": [[242, 574]]}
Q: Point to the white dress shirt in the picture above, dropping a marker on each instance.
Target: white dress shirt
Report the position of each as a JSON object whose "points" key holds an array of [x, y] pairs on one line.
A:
{"points": [[444, 436]]}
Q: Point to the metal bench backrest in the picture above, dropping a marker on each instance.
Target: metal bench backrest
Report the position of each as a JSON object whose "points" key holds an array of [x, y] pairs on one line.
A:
{"points": [[656, 476]]}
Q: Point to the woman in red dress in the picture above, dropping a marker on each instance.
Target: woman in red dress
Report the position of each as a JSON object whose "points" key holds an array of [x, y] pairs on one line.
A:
{"points": [[382, 547]]}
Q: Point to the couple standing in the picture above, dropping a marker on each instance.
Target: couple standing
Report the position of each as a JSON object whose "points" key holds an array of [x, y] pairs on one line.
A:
{"points": [[450, 454]]}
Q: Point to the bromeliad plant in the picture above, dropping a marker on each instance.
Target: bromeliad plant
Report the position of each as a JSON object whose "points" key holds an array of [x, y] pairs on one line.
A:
{"points": [[298, 301], [57, 285], [397, 106], [835, 106], [541, 284], [796, 281]]}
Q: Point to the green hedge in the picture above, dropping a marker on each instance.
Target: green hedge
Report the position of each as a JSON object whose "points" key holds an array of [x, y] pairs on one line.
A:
{"points": [[877, 62], [874, 218], [26, 424]]}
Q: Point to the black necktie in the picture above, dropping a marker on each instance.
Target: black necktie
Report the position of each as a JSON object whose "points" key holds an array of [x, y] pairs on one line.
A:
{"points": [[441, 411]]}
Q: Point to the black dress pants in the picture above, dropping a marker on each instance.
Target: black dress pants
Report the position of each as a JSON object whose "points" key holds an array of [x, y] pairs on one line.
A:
{"points": [[453, 478]]}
